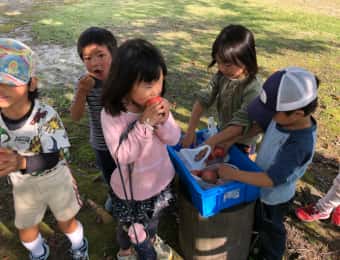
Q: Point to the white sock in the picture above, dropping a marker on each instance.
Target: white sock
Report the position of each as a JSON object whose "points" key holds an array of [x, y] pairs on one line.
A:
{"points": [[36, 246], [76, 237]]}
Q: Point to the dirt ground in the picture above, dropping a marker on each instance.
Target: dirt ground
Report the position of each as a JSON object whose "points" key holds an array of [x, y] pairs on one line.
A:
{"points": [[59, 66]]}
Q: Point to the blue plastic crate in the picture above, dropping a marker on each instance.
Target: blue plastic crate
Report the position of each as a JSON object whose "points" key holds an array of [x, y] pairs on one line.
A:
{"points": [[211, 201]]}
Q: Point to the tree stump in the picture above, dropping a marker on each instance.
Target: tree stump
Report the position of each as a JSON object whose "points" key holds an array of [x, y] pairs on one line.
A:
{"points": [[225, 235]]}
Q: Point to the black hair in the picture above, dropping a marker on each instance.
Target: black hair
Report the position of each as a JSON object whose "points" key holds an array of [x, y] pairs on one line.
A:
{"points": [[236, 44], [96, 35], [311, 107], [137, 60], [32, 95]]}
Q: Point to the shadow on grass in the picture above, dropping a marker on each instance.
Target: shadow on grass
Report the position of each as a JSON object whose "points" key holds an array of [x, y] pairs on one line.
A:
{"points": [[321, 172]]}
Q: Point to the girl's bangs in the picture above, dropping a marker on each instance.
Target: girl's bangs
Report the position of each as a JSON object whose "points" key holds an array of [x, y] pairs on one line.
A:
{"points": [[149, 73], [228, 56]]}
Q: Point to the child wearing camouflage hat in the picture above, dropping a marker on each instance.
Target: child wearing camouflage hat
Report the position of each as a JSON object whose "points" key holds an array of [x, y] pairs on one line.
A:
{"points": [[33, 146]]}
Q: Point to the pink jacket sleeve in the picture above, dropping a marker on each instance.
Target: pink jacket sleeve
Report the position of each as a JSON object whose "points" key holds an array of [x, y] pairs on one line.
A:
{"points": [[169, 133], [130, 150]]}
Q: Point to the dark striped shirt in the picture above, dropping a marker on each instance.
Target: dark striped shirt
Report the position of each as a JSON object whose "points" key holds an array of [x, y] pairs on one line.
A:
{"points": [[94, 107]]}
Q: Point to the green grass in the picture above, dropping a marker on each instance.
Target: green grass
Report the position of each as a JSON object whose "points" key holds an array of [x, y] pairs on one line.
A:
{"points": [[287, 33]]}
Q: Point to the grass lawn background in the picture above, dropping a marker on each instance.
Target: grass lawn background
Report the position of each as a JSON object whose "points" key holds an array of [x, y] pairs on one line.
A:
{"points": [[299, 33]]}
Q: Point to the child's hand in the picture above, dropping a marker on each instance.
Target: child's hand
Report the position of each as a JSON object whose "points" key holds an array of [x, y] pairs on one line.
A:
{"points": [[153, 114], [188, 139], [165, 110], [85, 84], [226, 172], [202, 153], [10, 161]]}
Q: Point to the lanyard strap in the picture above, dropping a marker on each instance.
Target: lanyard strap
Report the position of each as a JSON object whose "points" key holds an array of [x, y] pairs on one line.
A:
{"points": [[129, 203]]}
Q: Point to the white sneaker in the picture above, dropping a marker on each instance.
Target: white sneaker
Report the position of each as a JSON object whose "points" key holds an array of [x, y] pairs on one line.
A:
{"points": [[81, 253], [44, 256]]}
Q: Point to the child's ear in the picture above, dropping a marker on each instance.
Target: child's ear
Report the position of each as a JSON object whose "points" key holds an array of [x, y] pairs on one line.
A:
{"points": [[33, 84], [299, 113]]}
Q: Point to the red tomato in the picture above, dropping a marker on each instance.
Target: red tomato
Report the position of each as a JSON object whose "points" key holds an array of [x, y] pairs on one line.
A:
{"points": [[211, 157], [197, 173], [154, 100], [209, 176], [218, 152]]}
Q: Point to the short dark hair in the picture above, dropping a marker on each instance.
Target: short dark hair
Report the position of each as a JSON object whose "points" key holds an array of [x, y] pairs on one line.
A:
{"points": [[137, 60], [32, 95], [96, 35], [236, 44], [311, 107]]}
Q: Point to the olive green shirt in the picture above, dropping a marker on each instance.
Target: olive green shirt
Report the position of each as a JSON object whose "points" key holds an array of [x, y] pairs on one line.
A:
{"points": [[232, 98]]}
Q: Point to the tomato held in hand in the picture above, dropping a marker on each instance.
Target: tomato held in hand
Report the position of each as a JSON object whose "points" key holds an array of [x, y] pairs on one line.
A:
{"points": [[218, 152], [211, 157], [209, 176], [154, 100]]}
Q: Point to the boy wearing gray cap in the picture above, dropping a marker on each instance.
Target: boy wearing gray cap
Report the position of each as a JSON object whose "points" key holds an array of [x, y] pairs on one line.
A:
{"points": [[283, 111]]}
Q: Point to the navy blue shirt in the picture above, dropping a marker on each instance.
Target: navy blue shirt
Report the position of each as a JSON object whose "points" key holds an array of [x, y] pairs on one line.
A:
{"points": [[295, 152], [285, 155]]}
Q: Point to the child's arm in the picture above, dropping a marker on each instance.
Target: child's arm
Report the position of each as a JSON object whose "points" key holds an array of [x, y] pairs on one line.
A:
{"points": [[168, 132], [238, 127], [295, 153], [189, 137], [167, 129], [205, 99], [84, 87], [254, 178], [226, 137], [10, 161], [232, 134]]}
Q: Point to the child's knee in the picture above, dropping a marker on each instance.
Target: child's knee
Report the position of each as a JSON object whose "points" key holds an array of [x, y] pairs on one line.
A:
{"points": [[68, 226], [29, 234]]}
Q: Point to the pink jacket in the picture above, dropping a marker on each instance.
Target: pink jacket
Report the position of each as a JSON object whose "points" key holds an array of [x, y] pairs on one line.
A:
{"points": [[144, 147]]}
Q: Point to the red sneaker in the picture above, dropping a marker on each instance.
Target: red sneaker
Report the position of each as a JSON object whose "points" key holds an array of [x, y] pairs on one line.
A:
{"points": [[336, 216], [311, 213]]}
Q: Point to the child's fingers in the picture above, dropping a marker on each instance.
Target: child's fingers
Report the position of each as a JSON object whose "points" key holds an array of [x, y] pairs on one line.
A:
{"points": [[84, 78], [6, 155], [162, 108], [165, 103], [5, 150], [188, 139], [155, 109], [6, 167], [4, 172], [86, 81]]}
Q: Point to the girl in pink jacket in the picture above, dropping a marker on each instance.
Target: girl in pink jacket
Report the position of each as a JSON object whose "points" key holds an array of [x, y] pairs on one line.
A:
{"points": [[137, 126]]}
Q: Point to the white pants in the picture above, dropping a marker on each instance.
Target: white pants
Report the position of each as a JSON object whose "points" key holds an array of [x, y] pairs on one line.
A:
{"points": [[332, 199]]}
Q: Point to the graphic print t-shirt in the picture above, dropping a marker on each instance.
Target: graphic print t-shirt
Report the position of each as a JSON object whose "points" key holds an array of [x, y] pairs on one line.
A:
{"points": [[43, 132]]}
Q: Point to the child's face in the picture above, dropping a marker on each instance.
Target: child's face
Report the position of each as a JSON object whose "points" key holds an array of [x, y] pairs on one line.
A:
{"points": [[13, 97], [288, 120], [97, 60], [229, 70], [143, 91]]}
